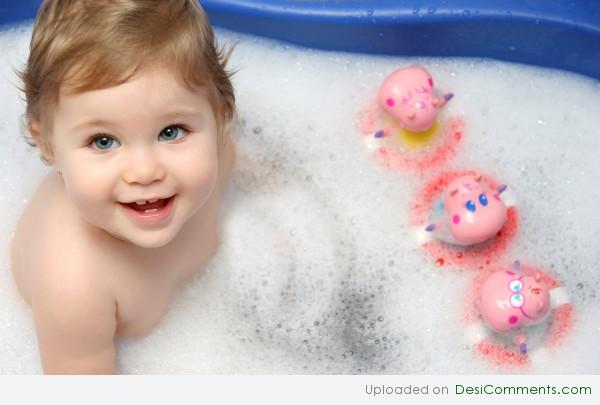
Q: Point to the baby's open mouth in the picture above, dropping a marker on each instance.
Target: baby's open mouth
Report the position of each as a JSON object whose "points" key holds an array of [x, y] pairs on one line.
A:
{"points": [[154, 212], [149, 206]]}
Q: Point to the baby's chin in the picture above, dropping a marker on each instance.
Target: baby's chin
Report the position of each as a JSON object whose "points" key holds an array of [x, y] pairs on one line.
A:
{"points": [[146, 239], [151, 240], [151, 243]]}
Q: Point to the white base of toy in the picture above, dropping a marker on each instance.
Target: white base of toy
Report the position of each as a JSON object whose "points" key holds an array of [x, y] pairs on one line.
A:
{"points": [[558, 297], [508, 198], [421, 236], [476, 332], [372, 143]]}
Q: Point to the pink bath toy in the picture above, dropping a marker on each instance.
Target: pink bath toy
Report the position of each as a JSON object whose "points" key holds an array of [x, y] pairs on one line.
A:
{"points": [[502, 304], [511, 300], [407, 95], [468, 213]]}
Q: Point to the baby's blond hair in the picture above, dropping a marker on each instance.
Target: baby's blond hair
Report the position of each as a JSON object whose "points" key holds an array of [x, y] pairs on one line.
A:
{"points": [[81, 45]]}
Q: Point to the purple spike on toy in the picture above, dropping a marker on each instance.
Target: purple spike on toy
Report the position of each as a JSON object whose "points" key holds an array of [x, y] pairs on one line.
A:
{"points": [[517, 265], [430, 227], [523, 348], [448, 96], [501, 188], [379, 133]]}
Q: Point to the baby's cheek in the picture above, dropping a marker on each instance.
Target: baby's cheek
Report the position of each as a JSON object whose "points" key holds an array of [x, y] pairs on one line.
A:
{"points": [[88, 186], [199, 174], [93, 197]]}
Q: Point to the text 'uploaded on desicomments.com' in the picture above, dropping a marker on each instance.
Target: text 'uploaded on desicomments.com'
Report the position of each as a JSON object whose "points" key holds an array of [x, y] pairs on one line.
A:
{"points": [[482, 389]]}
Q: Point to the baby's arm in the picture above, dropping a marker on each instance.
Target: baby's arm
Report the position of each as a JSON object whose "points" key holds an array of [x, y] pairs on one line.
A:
{"points": [[75, 321]]}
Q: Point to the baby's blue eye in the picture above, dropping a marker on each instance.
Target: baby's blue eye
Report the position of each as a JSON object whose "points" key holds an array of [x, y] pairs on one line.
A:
{"points": [[103, 142], [483, 199], [470, 206], [172, 133]]}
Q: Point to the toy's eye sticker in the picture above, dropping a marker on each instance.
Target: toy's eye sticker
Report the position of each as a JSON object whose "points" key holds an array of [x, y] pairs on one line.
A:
{"points": [[470, 205], [515, 285], [483, 200], [517, 300], [390, 102]]}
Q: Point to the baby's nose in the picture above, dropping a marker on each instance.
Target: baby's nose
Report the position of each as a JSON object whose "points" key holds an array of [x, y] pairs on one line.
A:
{"points": [[143, 167]]}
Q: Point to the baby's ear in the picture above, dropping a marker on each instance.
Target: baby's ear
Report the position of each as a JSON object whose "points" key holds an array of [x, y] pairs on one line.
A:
{"points": [[35, 129]]}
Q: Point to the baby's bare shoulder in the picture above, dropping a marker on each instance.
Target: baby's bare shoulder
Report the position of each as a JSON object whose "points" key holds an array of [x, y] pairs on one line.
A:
{"points": [[72, 266], [62, 250], [70, 253]]}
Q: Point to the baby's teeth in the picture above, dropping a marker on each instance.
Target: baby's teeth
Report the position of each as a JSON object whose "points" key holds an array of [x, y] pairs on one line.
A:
{"points": [[151, 211], [146, 202]]}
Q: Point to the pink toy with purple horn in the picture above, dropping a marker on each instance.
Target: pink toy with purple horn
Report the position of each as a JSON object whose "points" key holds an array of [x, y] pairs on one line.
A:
{"points": [[407, 95], [468, 213], [511, 300]]}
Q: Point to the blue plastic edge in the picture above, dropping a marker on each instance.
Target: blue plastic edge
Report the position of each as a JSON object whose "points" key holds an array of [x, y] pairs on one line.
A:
{"points": [[563, 34]]}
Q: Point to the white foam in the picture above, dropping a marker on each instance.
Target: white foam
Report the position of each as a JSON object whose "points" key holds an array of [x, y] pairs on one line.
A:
{"points": [[318, 271], [540, 355]]}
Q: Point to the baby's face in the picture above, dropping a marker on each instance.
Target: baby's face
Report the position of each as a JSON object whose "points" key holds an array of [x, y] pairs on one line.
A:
{"points": [[147, 139]]}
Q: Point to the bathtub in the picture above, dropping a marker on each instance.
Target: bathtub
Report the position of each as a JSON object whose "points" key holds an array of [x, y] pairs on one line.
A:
{"points": [[561, 34], [361, 300]]}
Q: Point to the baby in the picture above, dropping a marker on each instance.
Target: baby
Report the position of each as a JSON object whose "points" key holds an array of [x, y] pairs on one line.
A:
{"points": [[129, 100]]}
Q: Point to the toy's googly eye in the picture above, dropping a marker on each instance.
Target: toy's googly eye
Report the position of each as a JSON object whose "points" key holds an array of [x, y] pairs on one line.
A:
{"points": [[515, 285], [470, 206], [483, 200], [516, 300]]}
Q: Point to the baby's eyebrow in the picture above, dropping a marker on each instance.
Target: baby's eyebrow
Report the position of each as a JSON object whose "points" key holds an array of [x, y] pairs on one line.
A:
{"points": [[181, 112], [96, 122], [186, 112]]}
